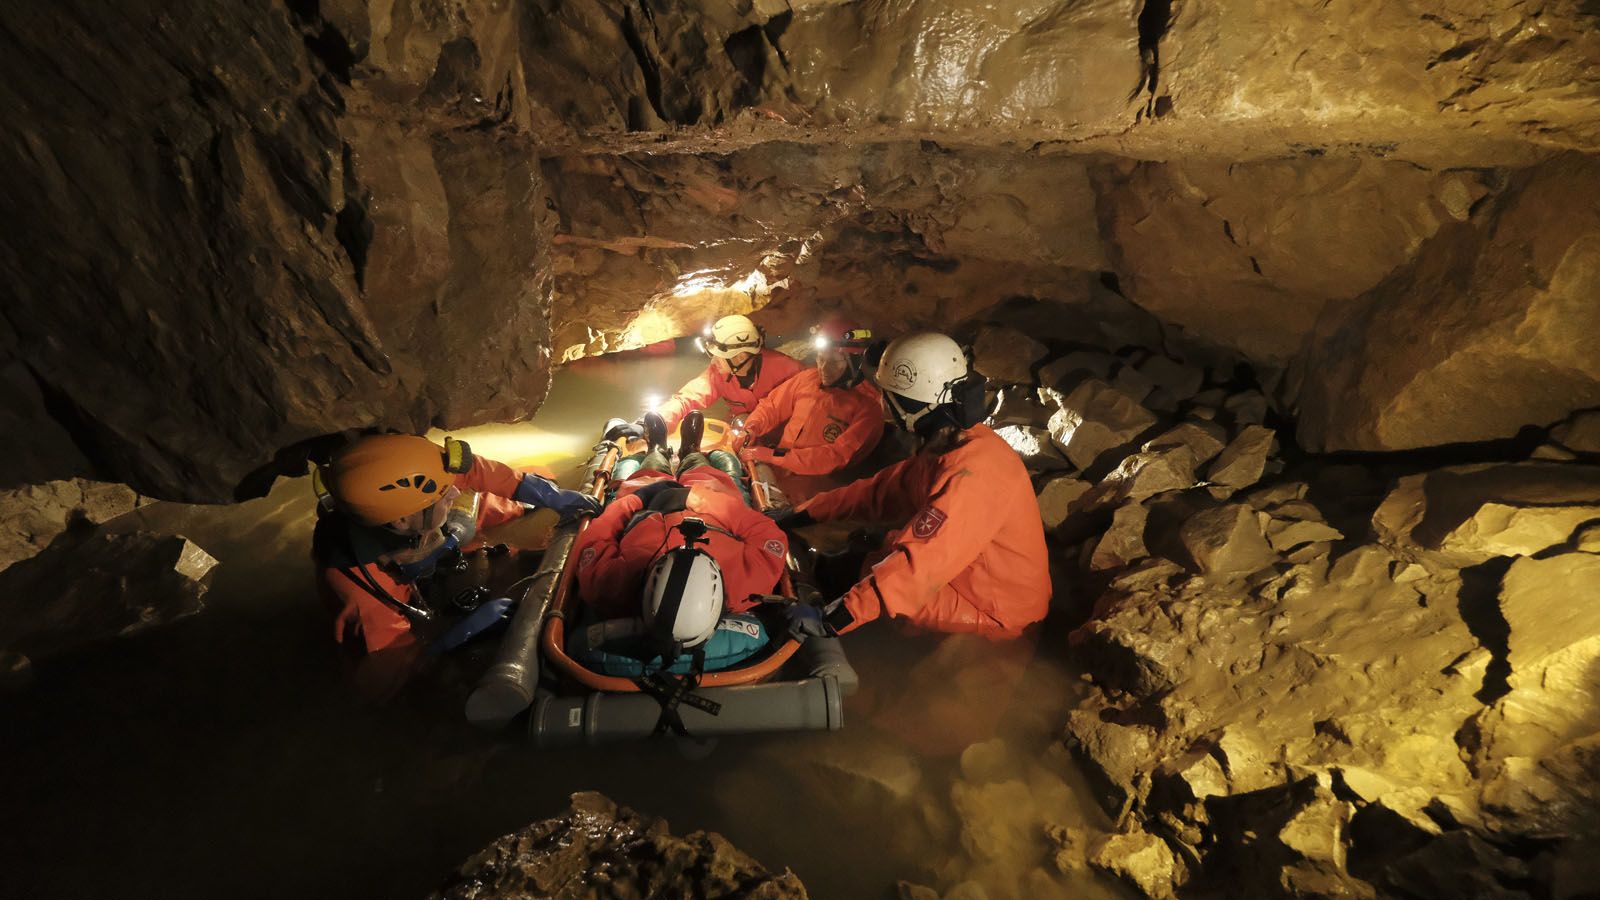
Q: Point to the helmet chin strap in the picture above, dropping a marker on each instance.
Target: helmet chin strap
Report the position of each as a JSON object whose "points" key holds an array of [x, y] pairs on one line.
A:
{"points": [[907, 420]]}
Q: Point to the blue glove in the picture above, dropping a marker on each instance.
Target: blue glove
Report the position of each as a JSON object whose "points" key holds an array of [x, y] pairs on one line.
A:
{"points": [[543, 492], [789, 518], [411, 571]]}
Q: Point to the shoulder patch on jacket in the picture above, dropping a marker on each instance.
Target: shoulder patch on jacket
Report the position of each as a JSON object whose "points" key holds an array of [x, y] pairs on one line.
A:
{"points": [[586, 558], [775, 547], [927, 523]]}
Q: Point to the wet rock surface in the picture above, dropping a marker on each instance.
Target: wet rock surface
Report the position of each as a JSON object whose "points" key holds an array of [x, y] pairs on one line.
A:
{"points": [[105, 586], [1316, 679], [598, 849], [33, 516], [302, 218]]}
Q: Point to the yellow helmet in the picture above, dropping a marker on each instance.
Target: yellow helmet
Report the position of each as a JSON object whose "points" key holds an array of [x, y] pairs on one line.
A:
{"points": [[385, 477], [731, 336]]}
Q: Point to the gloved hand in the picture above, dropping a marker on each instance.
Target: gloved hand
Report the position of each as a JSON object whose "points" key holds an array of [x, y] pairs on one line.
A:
{"points": [[806, 621], [543, 492], [761, 454], [655, 489], [789, 518], [575, 504]]}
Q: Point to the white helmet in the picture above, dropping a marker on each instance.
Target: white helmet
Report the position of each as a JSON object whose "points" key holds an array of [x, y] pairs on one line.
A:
{"points": [[683, 597], [922, 366], [731, 336]]}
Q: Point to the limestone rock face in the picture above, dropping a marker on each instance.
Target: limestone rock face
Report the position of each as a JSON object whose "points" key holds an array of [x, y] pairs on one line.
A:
{"points": [[1580, 434], [247, 231], [1467, 515], [596, 843], [1487, 330], [31, 517], [1006, 355], [1267, 244]]}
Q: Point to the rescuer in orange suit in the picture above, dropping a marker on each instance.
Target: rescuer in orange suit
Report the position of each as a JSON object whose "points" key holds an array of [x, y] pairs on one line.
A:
{"points": [[616, 552], [829, 416], [742, 371], [971, 556], [390, 506]]}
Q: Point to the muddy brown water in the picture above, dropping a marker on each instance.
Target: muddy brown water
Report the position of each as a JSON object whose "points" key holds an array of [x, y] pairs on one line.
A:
{"points": [[229, 754]]}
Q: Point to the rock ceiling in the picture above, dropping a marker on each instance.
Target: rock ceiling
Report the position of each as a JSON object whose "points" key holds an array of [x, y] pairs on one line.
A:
{"points": [[234, 229]]}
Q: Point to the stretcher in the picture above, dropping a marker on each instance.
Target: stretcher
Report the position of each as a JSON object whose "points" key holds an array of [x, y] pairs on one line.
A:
{"points": [[786, 685]]}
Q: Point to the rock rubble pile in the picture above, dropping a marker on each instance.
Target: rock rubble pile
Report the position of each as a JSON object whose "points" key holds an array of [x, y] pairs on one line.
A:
{"points": [[1318, 679]]}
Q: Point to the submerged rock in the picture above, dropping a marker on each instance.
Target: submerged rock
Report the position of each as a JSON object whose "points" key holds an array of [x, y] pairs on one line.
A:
{"points": [[598, 849], [107, 586]]}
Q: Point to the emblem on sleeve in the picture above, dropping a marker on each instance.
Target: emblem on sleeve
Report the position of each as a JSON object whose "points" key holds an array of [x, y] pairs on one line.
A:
{"points": [[927, 523], [775, 547], [586, 557]]}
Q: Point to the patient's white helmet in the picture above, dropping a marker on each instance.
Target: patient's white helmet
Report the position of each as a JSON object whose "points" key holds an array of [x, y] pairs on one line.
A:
{"points": [[684, 593]]}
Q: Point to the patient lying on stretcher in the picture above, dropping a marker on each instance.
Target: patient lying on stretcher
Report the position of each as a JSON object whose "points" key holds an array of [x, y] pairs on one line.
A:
{"points": [[677, 560]]}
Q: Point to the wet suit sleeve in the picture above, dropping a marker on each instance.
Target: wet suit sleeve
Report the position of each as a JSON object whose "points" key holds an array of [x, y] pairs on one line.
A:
{"points": [[886, 496], [938, 544], [764, 549], [831, 457], [491, 477], [772, 411], [605, 579], [699, 393]]}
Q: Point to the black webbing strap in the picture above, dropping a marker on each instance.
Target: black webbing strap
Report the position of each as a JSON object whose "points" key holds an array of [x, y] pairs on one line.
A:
{"points": [[672, 691]]}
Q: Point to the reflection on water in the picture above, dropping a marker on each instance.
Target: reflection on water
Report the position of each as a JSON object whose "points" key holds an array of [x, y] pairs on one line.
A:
{"points": [[228, 754]]}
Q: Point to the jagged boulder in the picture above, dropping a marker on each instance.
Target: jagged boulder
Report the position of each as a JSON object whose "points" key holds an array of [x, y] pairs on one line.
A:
{"points": [[1203, 438], [1142, 860], [597, 848], [1244, 460], [1179, 380], [1056, 497], [1066, 372], [1227, 539], [1123, 542], [1035, 446], [1093, 419]]}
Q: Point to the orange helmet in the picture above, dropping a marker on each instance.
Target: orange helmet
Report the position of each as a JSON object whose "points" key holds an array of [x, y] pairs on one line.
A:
{"points": [[385, 477]]}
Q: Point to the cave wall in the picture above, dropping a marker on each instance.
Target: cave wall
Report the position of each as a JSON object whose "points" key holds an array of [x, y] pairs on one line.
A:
{"points": [[221, 245], [306, 217]]}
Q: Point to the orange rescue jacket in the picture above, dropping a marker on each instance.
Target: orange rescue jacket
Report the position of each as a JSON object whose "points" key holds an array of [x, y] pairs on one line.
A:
{"points": [[972, 556], [616, 551], [716, 383], [824, 429]]}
